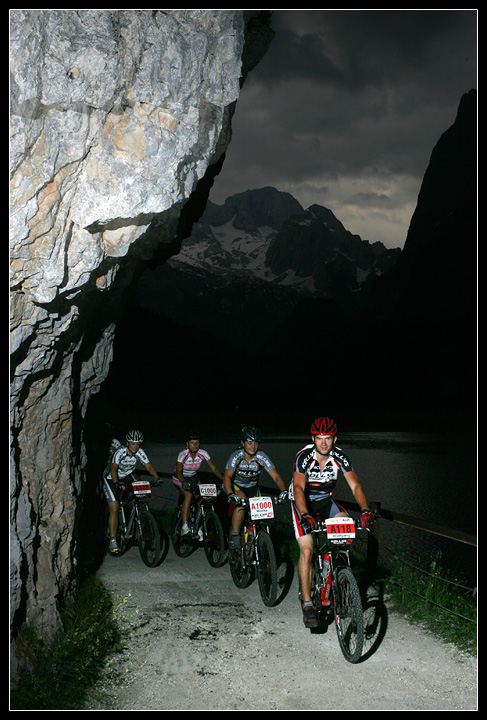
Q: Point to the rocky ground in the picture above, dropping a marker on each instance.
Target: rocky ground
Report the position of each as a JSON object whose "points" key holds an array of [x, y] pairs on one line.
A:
{"points": [[196, 642]]}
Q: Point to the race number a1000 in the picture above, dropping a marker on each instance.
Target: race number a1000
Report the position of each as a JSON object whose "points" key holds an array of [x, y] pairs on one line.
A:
{"points": [[261, 508]]}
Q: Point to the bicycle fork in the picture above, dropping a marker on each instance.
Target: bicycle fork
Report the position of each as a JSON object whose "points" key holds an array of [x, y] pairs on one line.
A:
{"points": [[326, 573], [199, 522], [248, 544], [122, 520]]}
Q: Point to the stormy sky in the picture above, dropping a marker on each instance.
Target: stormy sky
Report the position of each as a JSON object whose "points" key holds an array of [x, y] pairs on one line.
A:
{"points": [[345, 109]]}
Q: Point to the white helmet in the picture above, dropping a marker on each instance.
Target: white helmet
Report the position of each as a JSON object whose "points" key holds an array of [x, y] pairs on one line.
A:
{"points": [[134, 436]]}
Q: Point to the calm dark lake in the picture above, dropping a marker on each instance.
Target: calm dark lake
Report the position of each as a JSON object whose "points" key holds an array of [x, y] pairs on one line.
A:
{"points": [[428, 476]]}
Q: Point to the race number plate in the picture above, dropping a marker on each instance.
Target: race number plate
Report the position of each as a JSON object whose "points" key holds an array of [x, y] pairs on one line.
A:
{"points": [[261, 508], [341, 529], [208, 490], [141, 488]]}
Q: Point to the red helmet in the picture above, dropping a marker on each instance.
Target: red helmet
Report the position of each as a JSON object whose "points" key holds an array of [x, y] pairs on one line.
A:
{"points": [[324, 426]]}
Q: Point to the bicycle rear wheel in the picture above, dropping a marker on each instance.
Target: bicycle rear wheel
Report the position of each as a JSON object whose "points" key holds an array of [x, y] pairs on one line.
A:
{"points": [[183, 546], [149, 539], [266, 568], [349, 616], [214, 540], [318, 591]]}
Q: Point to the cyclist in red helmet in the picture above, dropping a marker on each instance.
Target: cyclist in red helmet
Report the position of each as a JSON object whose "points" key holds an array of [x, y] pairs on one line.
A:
{"points": [[315, 474]]}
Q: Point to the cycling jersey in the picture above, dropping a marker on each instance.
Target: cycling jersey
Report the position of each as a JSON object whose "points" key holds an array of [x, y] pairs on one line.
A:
{"points": [[190, 465], [321, 483], [127, 461], [247, 474]]}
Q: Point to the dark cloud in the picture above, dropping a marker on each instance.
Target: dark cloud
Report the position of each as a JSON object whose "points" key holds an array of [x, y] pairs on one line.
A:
{"points": [[350, 104]]}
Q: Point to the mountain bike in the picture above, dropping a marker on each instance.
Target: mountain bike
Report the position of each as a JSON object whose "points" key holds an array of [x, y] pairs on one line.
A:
{"points": [[255, 554], [334, 590], [204, 524], [136, 524]]}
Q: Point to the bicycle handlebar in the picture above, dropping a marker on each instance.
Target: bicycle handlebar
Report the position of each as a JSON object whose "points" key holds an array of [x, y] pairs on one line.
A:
{"points": [[195, 488], [321, 526], [245, 502]]}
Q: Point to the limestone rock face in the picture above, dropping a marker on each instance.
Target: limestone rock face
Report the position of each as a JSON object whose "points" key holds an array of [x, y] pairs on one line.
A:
{"points": [[116, 115]]}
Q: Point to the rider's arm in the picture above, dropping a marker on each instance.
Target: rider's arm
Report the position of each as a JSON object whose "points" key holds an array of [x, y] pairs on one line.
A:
{"points": [[214, 469], [299, 485], [352, 479], [151, 470], [228, 481], [277, 479], [114, 472], [179, 472]]}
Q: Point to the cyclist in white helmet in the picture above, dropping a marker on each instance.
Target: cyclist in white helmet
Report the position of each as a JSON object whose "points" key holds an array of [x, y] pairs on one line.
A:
{"points": [[124, 462]]}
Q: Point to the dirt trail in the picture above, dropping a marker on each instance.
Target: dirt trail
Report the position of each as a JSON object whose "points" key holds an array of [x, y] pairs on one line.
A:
{"points": [[199, 643]]}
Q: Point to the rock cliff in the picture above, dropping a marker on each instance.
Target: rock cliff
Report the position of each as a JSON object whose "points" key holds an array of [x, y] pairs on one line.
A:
{"points": [[119, 120]]}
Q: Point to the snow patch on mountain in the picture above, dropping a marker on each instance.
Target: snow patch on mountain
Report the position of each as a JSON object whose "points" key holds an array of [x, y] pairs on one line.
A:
{"points": [[225, 247]]}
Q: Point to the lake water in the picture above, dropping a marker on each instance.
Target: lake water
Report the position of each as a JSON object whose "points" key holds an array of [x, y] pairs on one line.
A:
{"points": [[430, 477]]}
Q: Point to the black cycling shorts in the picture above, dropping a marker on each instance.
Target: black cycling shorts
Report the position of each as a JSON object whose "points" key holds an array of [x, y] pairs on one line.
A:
{"points": [[249, 492]]}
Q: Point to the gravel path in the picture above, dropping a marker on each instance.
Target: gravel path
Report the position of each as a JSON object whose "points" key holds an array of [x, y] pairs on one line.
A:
{"points": [[199, 643]]}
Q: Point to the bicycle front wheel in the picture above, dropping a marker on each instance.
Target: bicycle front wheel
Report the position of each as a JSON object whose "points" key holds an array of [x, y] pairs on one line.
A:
{"points": [[266, 569], [149, 539], [214, 540], [349, 615]]}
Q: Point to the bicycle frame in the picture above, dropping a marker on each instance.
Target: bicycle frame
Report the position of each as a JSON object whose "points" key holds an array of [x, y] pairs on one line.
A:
{"points": [[202, 516], [137, 496], [252, 526], [134, 513], [198, 509], [334, 555], [334, 588], [255, 537], [129, 525]]}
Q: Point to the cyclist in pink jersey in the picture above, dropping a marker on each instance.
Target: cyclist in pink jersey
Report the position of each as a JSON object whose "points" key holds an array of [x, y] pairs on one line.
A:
{"points": [[188, 463]]}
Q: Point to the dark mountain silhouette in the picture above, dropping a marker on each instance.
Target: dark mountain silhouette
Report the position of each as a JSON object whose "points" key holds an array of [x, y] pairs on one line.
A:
{"points": [[409, 356], [402, 353], [249, 262]]}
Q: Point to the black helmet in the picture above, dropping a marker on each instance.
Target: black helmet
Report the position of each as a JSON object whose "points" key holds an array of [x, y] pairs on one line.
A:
{"points": [[134, 436], [250, 433], [193, 436]]}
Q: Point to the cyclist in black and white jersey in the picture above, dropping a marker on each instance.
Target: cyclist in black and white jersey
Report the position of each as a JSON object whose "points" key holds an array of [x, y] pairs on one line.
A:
{"points": [[123, 463], [242, 473], [315, 474]]}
